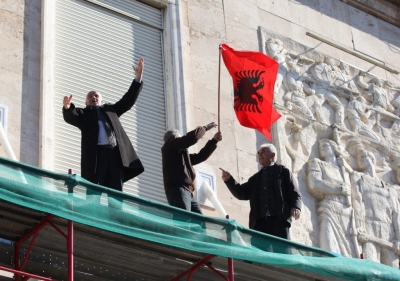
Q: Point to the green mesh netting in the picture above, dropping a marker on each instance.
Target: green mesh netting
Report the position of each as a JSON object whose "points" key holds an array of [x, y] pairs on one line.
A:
{"points": [[73, 198]]}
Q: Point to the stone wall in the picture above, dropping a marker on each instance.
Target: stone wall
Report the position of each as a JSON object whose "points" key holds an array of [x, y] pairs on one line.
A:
{"points": [[340, 135], [20, 75]]}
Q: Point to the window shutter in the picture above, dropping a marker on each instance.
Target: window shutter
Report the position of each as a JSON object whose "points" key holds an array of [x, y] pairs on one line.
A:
{"points": [[96, 43]]}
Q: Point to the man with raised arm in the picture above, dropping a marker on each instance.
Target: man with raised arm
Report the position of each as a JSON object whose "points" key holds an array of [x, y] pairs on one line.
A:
{"points": [[177, 164], [107, 155], [273, 193]]}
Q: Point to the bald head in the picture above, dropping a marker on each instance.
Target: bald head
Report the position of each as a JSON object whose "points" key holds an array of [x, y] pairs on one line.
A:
{"points": [[93, 98]]}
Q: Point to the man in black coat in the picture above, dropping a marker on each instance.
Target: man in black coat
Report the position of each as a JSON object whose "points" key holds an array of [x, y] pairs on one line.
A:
{"points": [[177, 164], [108, 157], [274, 196]]}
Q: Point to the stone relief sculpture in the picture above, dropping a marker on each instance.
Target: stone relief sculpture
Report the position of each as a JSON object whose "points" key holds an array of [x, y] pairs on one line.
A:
{"points": [[396, 103], [397, 172], [395, 131], [295, 96], [330, 82], [357, 116], [328, 184], [356, 210], [346, 80], [335, 103], [315, 102], [300, 97], [276, 50], [375, 93], [328, 73], [396, 99], [377, 212], [296, 148]]}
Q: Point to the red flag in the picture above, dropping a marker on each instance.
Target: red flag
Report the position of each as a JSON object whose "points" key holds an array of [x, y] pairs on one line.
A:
{"points": [[253, 75]]}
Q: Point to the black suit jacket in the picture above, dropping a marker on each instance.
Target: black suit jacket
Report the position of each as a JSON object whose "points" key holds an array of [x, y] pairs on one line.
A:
{"points": [[87, 121]]}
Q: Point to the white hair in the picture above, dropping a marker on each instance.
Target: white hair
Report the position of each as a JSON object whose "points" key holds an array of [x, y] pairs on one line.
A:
{"points": [[170, 134], [271, 148]]}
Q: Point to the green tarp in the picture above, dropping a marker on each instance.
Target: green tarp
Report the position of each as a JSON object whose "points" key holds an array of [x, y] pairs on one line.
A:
{"points": [[73, 198]]}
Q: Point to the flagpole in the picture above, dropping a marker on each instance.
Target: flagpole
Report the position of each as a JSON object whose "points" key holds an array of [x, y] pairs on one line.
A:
{"points": [[219, 87]]}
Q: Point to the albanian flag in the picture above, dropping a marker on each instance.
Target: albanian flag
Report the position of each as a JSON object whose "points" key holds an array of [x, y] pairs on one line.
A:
{"points": [[253, 75]]}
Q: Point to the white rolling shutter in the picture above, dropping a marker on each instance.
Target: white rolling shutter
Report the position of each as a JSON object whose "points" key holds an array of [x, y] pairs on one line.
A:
{"points": [[96, 43]]}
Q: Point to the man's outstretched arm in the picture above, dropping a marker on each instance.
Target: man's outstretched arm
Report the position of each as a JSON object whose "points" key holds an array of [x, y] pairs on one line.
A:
{"points": [[186, 141], [240, 191], [70, 114], [130, 97], [208, 149]]}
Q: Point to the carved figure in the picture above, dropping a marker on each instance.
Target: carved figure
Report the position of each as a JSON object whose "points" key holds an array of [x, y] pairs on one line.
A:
{"points": [[356, 115], [276, 50], [345, 79], [315, 102], [335, 103], [375, 93], [397, 172], [377, 212], [296, 101], [297, 146], [329, 73], [396, 103], [296, 90], [326, 183], [395, 132]]}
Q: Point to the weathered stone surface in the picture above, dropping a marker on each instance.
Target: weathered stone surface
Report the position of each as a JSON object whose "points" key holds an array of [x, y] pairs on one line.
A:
{"points": [[351, 122]]}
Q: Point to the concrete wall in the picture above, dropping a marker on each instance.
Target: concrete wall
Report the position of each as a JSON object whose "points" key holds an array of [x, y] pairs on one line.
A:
{"points": [[20, 74]]}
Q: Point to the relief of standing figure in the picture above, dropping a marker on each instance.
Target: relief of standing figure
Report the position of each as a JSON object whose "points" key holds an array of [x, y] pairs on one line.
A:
{"points": [[326, 183], [377, 212]]}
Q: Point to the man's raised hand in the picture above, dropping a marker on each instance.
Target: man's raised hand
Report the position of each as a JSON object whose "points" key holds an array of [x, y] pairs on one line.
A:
{"points": [[210, 126], [139, 70], [225, 175], [67, 101]]}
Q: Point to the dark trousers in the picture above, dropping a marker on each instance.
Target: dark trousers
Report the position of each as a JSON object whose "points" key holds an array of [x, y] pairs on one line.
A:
{"points": [[276, 226], [182, 198], [109, 173], [109, 169], [273, 225]]}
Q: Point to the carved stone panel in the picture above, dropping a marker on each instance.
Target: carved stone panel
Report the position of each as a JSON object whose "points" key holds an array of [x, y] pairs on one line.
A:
{"points": [[339, 134]]}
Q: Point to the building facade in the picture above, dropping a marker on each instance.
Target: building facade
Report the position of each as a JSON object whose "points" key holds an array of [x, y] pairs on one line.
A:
{"points": [[337, 90]]}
